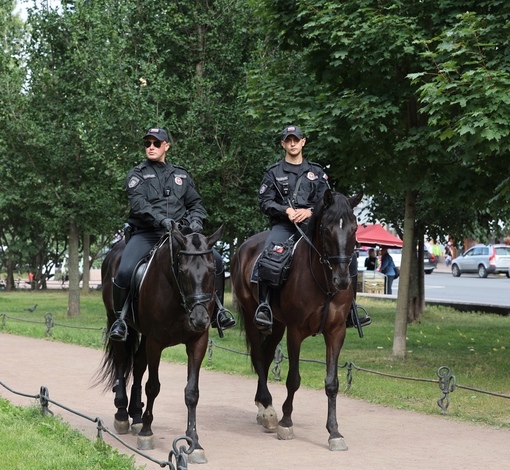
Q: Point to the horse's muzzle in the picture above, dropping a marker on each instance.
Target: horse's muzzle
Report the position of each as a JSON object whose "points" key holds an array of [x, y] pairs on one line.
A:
{"points": [[197, 308]]}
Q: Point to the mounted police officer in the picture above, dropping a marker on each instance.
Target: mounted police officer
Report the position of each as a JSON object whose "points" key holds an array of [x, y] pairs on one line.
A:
{"points": [[287, 195], [158, 193]]}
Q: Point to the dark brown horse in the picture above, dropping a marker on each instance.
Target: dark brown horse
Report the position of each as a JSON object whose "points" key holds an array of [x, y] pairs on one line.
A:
{"points": [[173, 306], [316, 298]]}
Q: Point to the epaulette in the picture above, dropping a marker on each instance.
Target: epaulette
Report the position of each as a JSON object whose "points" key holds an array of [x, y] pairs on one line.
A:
{"points": [[317, 164], [140, 166], [179, 167], [274, 165]]}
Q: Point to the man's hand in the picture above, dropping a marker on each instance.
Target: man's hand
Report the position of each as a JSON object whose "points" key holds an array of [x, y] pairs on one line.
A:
{"points": [[167, 224], [298, 215], [196, 226]]}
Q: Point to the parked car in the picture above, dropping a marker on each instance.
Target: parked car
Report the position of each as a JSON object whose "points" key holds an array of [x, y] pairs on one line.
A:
{"points": [[362, 254], [483, 259], [429, 262]]}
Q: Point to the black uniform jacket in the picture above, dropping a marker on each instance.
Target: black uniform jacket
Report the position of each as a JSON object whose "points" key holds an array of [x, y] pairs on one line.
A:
{"points": [[159, 190], [278, 189]]}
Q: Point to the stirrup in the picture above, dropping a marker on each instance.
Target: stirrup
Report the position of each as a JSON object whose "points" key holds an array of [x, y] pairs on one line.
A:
{"points": [[354, 320], [263, 318], [224, 318], [119, 330]]}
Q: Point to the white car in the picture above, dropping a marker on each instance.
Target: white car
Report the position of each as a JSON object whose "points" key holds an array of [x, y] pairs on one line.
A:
{"points": [[362, 254]]}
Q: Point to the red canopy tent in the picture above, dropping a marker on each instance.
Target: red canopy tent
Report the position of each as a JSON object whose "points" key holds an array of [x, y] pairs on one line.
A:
{"points": [[376, 235]]}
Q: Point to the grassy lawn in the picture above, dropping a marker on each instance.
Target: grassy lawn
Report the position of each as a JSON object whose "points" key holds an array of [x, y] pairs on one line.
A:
{"points": [[30, 440], [474, 346]]}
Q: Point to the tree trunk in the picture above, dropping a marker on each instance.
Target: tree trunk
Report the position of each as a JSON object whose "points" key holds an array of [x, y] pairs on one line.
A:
{"points": [[86, 262], [9, 281], [403, 298], [73, 307]]}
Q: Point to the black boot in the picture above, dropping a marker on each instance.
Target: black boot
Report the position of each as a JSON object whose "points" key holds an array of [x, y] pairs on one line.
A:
{"points": [[222, 318], [119, 330], [354, 320], [263, 318]]}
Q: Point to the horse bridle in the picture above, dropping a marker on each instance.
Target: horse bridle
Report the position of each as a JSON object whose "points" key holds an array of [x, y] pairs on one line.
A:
{"points": [[324, 258], [189, 302]]}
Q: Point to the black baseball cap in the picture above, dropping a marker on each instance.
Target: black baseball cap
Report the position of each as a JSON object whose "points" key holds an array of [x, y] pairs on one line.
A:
{"points": [[157, 132], [292, 130]]}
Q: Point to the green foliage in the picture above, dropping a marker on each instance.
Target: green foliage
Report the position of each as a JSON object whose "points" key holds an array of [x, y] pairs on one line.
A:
{"points": [[348, 66]]}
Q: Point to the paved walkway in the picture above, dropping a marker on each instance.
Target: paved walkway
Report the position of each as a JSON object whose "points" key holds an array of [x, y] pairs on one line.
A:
{"points": [[379, 438]]}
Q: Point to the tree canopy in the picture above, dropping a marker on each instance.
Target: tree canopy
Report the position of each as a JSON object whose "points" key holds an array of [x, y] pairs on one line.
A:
{"points": [[399, 100]]}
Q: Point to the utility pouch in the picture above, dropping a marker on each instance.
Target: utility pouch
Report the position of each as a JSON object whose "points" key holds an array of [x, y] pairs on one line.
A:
{"points": [[274, 263]]}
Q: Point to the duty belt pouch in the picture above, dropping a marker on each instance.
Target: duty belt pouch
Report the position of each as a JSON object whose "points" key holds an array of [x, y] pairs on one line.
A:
{"points": [[128, 231], [274, 263]]}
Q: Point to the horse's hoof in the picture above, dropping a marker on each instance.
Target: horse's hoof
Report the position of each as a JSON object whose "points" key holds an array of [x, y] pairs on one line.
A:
{"points": [[121, 427], [337, 444], [197, 456], [267, 418], [145, 443], [285, 434], [136, 428]]}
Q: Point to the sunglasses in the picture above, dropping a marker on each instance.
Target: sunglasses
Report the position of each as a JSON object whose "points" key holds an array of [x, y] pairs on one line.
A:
{"points": [[156, 143]]}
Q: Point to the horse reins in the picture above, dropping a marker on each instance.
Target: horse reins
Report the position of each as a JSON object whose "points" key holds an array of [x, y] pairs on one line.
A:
{"points": [[324, 259]]}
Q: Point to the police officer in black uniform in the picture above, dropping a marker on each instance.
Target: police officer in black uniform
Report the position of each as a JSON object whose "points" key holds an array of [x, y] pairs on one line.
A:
{"points": [[287, 195], [158, 193]]}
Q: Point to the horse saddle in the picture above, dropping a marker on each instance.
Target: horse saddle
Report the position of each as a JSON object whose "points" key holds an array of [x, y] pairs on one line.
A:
{"points": [[138, 275]]}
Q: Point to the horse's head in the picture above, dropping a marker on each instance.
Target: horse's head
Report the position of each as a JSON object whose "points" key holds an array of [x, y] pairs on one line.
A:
{"points": [[335, 228], [195, 275]]}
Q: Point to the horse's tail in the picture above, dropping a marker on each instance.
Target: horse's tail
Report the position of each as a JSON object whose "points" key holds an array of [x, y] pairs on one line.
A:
{"points": [[118, 356]]}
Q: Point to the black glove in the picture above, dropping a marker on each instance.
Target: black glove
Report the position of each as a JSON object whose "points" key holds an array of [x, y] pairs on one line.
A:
{"points": [[196, 226], [167, 224]]}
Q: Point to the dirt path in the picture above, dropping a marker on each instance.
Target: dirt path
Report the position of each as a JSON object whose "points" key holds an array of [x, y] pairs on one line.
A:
{"points": [[379, 438]]}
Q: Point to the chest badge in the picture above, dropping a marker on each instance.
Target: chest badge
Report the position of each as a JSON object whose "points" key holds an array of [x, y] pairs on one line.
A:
{"points": [[178, 181], [311, 176]]}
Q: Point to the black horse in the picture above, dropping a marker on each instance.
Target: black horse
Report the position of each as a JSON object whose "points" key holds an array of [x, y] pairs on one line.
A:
{"points": [[316, 298], [173, 305]]}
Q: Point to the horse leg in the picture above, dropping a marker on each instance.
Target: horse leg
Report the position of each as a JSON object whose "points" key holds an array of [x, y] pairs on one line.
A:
{"points": [[285, 425], [334, 342], [262, 355], [196, 352], [119, 357], [145, 439], [121, 421], [135, 402]]}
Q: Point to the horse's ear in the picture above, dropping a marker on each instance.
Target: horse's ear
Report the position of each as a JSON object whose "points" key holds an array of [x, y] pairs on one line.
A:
{"points": [[355, 200], [328, 198], [177, 235], [215, 236]]}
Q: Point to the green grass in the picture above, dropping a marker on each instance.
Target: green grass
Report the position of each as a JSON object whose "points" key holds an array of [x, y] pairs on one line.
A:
{"points": [[474, 346], [30, 440]]}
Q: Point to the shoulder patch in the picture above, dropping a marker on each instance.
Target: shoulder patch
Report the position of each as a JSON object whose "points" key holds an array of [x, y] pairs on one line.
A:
{"points": [[133, 182], [263, 189]]}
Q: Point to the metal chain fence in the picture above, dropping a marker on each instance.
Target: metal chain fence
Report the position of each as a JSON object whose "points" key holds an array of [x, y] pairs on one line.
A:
{"points": [[446, 381]]}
